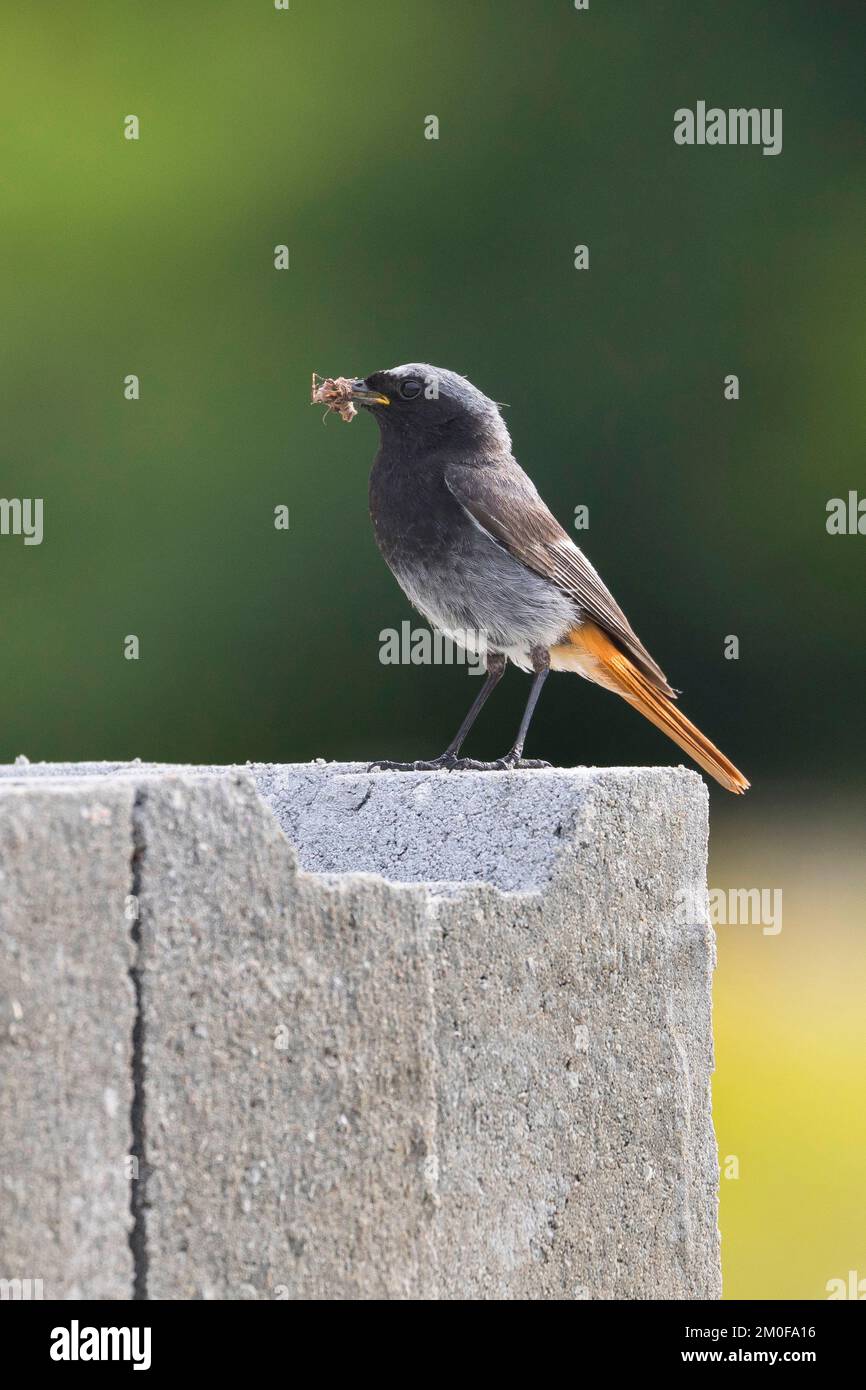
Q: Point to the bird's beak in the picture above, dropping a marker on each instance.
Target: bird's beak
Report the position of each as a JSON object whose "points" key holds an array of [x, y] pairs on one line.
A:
{"points": [[362, 393]]}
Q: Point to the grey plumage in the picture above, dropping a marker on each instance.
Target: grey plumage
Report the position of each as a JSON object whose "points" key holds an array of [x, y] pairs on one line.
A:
{"points": [[468, 537]]}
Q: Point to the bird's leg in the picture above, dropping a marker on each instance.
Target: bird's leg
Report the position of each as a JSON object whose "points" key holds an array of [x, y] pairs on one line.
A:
{"points": [[540, 658], [496, 663]]}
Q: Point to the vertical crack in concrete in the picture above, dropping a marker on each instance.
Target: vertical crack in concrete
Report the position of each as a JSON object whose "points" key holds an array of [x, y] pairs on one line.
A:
{"points": [[430, 942], [138, 1185]]}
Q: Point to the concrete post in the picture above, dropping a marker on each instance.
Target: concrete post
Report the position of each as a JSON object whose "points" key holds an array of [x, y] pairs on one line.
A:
{"points": [[385, 1036], [67, 1015]]}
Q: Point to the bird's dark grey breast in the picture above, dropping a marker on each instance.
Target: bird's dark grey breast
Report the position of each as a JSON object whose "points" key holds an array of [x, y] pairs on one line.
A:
{"points": [[452, 570]]}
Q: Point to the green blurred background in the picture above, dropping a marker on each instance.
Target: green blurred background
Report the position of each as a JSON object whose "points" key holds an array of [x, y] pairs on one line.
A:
{"points": [[707, 517]]}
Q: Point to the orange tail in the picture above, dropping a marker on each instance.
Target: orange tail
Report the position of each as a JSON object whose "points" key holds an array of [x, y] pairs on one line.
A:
{"points": [[591, 652]]}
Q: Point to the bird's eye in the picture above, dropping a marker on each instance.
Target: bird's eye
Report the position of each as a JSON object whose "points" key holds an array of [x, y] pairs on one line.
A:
{"points": [[411, 388]]}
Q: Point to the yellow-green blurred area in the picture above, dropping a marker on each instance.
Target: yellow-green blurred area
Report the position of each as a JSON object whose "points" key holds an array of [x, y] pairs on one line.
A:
{"points": [[789, 1099], [305, 127]]}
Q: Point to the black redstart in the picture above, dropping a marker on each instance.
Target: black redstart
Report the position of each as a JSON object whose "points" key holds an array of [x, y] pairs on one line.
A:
{"points": [[476, 550]]}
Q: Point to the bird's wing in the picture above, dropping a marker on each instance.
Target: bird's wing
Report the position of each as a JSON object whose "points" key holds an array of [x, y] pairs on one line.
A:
{"points": [[504, 502]]}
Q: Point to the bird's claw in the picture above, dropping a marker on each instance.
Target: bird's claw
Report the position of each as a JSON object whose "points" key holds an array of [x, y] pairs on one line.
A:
{"points": [[449, 762], [446, 761], [510, 763]]}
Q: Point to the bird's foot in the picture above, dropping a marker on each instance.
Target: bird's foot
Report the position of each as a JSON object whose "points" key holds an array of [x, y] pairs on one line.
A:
{"points": [[449, 762], [445, 762], [506, 764]]}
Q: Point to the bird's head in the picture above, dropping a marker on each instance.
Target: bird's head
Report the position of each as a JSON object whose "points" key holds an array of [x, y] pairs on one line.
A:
{"points": [[428, 407]]}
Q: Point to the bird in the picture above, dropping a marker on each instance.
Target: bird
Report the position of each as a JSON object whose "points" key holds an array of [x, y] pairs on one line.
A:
{"points": [[479, 554]]}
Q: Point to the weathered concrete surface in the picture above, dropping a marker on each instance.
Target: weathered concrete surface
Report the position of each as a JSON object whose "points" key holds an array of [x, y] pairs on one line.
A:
{"points": [[66, 1020], [290, 1063], [431, 1088], [506, 829]]}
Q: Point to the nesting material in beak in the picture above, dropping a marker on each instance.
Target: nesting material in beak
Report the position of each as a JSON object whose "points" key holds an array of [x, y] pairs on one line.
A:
{"points": [[336, 393]]}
